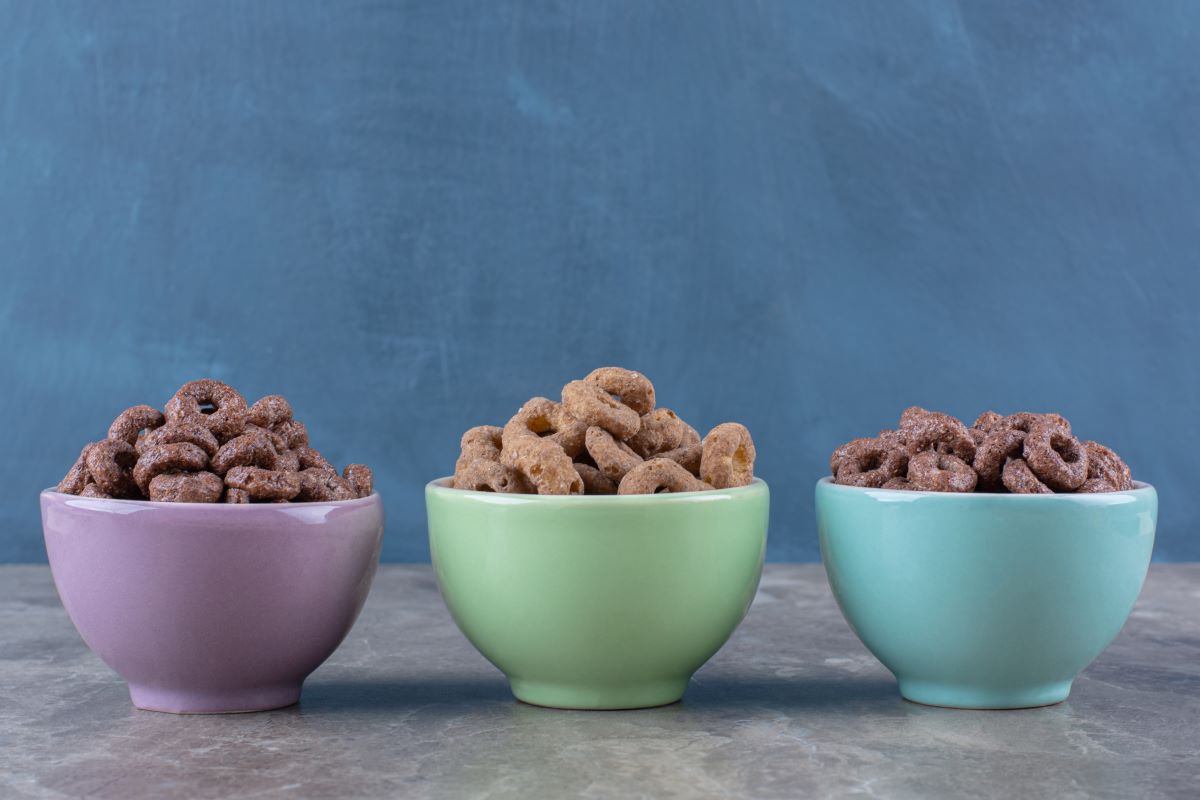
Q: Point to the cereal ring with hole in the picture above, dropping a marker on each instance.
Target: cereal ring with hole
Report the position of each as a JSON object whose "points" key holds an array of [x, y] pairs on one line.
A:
{"points": [[360, 478], [1018, 478], [237, 496], [899, 484], [269, 411], [1056, 457], [252, 449], [293, 433], [633, 388], [595, 481], [687, 456], [186, 487], [312, 459], [934, 430], [986, 421], [545, 418], [661, 430], [999, 445], [482, 442], [728, 456], [109, 464], [930, 471], [1105, 468], [613, 458], [269, 484], [174, 432], [216, 405], [590, 403], [92, 490], [868, 463], [543, 463], [483, 475], [77, 477], [175, 457], [660, 476], [132, 421]]}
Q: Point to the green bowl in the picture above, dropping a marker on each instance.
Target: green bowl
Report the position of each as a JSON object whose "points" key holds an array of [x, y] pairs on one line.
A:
{"points": [[985, 600], [598, 602]]}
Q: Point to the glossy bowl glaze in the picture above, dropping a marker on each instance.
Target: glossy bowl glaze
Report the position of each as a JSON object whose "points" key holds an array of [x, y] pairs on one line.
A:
{"points": [[212, 608], [985, 600], [598, 602]]}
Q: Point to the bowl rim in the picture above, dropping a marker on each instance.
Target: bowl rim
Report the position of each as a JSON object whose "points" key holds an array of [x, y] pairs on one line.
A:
{"points": [[1140, 489], [102, 502], [440, 486]]}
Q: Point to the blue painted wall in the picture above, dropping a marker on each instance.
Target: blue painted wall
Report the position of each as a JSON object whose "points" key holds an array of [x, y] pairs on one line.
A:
{"points": [[409, 218]]}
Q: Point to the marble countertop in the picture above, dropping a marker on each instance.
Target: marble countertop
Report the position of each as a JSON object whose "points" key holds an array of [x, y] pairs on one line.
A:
{"points": [[793, 706]]}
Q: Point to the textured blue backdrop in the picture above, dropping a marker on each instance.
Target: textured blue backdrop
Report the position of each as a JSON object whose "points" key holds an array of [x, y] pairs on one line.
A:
{"points": [[411, 217]]}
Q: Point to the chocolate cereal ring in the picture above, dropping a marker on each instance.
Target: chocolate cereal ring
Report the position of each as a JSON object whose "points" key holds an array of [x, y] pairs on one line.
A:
{"points": [[310, 459], [287, 461], [216, 405], [479, 443], [185, 487], [293, 433], [868, 463], [132, 421], [237, 496], [660, 476], [109, 463], [933, 430], [360, 478], [483, 475], [268, 484], [543, 463], [898, 484], [930, 471], [77, 477], [613, 458], [269, 411], [661, 430], [545, 418], [252, 449], [728, 456], [986, 421], [1055, 456], [590, 403], [174, 432], [1019, 478], [999, 444], [92, 490], [634, 388], [176, 457], [595, 481], [1106, 471], [687, 456]]}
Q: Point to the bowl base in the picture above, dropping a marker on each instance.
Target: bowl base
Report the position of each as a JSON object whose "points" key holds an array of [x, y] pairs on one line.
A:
{"points": [[593, 697], [981, 697], [214, 701]]}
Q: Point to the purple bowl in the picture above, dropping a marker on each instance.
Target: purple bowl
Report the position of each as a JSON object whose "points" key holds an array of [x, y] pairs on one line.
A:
{"points": [[210, 608]]}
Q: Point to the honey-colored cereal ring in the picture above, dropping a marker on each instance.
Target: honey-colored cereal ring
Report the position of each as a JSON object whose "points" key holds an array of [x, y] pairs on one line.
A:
{"points": [[930, 471], [483, 475], [687, 456], [174, 432], [77, 477], [543, 463], [360, 478], [595, 481], [999, 444], [132, 421], [868, 463], [1106, 471], [312, 459], [542, 417], [1055, 456], [252, 449], [728, 456], [228, 416], [934, 430], [1019, 478], [237, 496], [482, 442], [659, 476], [661, 430], [634, 388], [613, 458], [269, 411], [268, 484], [186, 487], [109, 463], [590, 403], [175, 457], [293, 433]]}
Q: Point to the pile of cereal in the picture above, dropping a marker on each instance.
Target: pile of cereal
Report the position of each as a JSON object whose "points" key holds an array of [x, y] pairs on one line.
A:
{"points": [[1022, 453], [208, 446], [605, 437]]}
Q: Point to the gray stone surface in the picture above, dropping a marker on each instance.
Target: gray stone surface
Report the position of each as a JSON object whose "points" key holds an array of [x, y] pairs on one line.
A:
{"points": [[793, 706]]}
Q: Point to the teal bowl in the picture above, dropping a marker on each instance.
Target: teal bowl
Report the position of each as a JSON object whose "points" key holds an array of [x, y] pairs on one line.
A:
{"points": [[598, 602], [985, 600]]}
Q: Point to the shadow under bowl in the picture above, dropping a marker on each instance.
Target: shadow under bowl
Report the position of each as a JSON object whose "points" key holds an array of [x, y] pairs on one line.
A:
{"points": [[985, 600], [598, 602], [212, 608]]}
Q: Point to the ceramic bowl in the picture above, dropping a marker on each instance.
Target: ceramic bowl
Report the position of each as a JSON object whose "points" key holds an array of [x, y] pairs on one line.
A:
{"points": [[598, 602], [985, 600], [212, 608]]}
